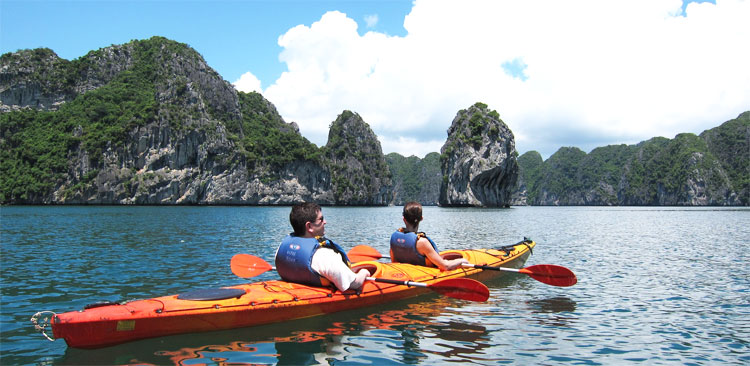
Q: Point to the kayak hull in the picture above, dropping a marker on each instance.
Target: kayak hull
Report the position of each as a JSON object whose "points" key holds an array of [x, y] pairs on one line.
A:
{"points": [[264, 302]]}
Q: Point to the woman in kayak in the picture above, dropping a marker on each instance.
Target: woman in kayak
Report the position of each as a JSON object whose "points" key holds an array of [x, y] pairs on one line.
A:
{"points": [[307, 257], [408, 245]]}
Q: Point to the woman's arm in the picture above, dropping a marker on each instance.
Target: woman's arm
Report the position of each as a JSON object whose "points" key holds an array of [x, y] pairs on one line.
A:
{"points": [[425, 248]]}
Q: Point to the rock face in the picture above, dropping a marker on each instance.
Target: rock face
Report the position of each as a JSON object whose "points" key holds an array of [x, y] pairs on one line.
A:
{"points": [[712, 169], [478, 161], [415, 179], [730, 144], [149, 122], [33, 79], [358, 168], [529, 167]]}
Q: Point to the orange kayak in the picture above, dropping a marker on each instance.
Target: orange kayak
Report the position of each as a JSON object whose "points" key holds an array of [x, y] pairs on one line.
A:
{"points": [[259, 303]]}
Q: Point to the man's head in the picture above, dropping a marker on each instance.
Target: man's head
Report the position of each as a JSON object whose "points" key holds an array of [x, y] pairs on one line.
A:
{"points": [[413, 213], [307, 220]]}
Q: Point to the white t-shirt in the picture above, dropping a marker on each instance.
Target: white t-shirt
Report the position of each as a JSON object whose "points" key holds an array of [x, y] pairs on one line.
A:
{"points": [[328, 264]]}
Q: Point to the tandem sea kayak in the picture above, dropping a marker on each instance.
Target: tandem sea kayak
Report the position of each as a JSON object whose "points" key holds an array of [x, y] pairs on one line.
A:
{"points": [[264, 302]]}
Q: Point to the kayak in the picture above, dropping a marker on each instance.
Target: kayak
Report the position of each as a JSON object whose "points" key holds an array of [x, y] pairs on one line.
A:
{"points": [[264, 302]]}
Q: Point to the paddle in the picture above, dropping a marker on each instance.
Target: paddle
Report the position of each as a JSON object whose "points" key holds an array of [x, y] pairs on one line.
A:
{"points": [[550, 274], [363, 252], [459, 288], [246, 265]]}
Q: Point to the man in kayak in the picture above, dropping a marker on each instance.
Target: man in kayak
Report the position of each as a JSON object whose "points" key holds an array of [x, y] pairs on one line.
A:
{"points": [[307, 257], [408, 245]]}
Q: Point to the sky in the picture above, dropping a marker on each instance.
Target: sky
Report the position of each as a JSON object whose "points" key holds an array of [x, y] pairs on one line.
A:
{"points": [[582, 73]]}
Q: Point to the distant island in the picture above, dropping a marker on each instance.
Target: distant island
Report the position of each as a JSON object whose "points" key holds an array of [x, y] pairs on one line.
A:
{"points": [[150, 123], [710, 169]]}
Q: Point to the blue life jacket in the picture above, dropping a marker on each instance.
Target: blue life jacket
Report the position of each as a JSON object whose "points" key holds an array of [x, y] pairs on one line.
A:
{"points": [[404, 248], [294, 259]]}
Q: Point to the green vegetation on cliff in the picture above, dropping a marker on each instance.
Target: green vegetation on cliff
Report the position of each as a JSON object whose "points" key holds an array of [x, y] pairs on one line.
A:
{"points": [[530, 169], [36, 145], [33, 151], [708, 169], [561, 171], [142, 86], [473, 131], [415, 179], [359, 172], [43, 67], [730, 143], [79, 117], [265, 138]]}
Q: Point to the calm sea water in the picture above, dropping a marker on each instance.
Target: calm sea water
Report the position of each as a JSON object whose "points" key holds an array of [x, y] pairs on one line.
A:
{"points": [[656, 286]]}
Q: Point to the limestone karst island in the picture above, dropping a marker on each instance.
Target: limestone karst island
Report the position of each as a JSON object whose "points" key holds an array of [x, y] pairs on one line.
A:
{"points": [[149, 122]]}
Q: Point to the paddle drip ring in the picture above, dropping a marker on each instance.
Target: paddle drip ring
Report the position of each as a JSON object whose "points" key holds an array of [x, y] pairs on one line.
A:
{"points": [[41, 321]]}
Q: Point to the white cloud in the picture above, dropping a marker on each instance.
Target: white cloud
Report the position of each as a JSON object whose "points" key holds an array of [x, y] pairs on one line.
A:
{"points": [[595, 72], [371, 20], [247, 83], [408, 146]]}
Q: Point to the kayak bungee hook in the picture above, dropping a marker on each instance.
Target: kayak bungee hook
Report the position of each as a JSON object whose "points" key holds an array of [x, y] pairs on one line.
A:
{"points": [[41, 323], [526, 242], [507, 249]]}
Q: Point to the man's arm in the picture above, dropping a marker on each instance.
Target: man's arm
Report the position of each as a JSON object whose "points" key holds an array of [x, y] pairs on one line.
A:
{"points": [[328, 264], [362, 275]]}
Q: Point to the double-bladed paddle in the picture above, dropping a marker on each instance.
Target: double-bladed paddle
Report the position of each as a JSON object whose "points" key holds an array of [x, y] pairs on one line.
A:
{"points": [[246, 265], [550, 274]]}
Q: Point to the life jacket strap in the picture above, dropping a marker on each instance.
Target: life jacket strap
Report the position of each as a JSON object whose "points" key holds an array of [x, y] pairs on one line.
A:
{"points": [[327, 243]]}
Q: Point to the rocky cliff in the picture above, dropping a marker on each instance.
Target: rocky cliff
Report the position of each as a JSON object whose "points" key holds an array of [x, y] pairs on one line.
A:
{"points": [[359, 172], [730, 144], [149, 122], [712, 169], [34, 79], [478, 160], [415, 179]]}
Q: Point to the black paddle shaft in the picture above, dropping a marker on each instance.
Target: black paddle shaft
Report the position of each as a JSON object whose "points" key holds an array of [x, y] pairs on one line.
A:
{"points": [[397, 282]]}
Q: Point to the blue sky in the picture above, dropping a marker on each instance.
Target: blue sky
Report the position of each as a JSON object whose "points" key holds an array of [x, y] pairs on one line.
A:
{"points": [[582, 73], [233, 36]]}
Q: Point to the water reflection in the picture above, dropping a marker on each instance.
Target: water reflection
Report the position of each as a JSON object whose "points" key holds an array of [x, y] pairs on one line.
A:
{"points": [[556, 304], [548, 312], [279, 352]]}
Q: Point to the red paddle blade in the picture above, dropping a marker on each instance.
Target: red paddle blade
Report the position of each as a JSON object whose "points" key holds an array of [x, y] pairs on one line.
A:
{"points": [[246, 265], [362, 251], [551, 274], [462, 288]]}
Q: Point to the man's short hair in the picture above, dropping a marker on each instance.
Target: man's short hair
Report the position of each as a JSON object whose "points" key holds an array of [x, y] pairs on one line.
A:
{"points": [[301, 214]]}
